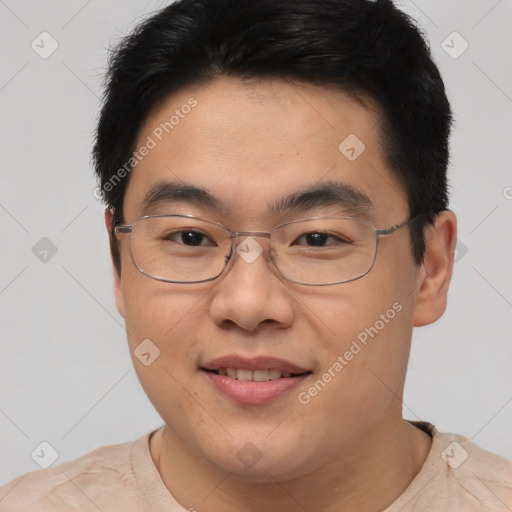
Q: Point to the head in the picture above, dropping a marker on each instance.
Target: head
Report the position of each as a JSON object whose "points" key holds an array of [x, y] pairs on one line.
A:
{"points": [[237, 107]]}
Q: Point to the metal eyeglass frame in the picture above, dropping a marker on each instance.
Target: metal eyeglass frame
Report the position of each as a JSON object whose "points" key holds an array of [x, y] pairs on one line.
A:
{"points": [[126, 229]]}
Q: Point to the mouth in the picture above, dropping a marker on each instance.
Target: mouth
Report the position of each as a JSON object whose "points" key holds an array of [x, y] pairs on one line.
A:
{"points": [[253, 381]]}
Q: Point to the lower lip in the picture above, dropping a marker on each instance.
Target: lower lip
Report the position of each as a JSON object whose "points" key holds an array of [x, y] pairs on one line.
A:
{"points": [[251, 392]]}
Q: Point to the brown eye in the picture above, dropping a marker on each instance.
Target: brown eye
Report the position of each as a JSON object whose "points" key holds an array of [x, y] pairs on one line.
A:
{"points": [[318, 239], [190, 238]]}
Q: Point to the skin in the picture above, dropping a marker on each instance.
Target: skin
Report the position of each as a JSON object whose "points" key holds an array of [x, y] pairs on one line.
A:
{"points": [[250, 143]]}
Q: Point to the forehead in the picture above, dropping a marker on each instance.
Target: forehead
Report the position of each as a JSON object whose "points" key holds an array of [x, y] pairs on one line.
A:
{"points": [[250, 143]]}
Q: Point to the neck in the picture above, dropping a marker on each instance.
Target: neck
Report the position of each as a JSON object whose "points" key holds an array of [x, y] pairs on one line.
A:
{"points": [[370, 477]]}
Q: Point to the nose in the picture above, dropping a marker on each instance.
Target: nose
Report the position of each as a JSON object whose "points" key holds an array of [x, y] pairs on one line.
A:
{"points": [[251, 292]]}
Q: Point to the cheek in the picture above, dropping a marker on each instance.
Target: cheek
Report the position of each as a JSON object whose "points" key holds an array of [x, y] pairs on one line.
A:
{"points": [[160, 320], [153, 309], [366, 332]]}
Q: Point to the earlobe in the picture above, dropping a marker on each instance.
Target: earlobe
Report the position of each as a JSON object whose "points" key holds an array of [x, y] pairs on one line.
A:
{"points": [[436, 270], [118, 291]]}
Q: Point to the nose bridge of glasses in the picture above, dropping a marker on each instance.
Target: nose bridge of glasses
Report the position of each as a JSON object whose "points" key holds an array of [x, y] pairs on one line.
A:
{"points": [[236, 234]]}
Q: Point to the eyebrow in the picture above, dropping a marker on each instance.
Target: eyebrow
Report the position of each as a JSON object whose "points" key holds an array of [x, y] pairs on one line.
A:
{"points": [[323, 195], [330, 193], [164, 192]]}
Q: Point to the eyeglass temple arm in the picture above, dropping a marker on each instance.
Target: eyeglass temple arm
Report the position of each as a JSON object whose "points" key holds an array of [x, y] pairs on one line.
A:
{"points": [[396, 227], [122, 230]]}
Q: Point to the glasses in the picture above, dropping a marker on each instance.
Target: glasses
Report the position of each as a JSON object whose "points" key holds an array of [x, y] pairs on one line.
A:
{"points": [[314, 252]]}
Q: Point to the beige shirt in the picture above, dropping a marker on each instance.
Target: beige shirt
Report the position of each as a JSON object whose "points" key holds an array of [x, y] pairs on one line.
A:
{"points": [[457, 476]]}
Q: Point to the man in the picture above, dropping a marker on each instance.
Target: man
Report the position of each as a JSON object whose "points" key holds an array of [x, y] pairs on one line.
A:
{"points": [[275, 175]]}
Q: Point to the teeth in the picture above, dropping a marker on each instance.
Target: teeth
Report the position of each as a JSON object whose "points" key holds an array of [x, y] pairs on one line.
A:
{"points": [[275, 374], [259, 375], [244, 374], [256, 375]]}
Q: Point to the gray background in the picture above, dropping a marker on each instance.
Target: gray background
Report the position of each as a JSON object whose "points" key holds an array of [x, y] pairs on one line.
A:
{"points": [[66, 376]]}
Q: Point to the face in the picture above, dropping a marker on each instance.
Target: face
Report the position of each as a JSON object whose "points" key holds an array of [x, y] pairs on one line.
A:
{"points": [[250, 145]]}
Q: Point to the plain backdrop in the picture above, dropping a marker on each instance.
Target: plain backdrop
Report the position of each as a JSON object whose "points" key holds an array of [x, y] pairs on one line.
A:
{"points": [[65, 371]]}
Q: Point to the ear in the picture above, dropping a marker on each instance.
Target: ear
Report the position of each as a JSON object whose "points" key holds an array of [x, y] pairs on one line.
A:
{"points": [[436, 270], [118, 290]]}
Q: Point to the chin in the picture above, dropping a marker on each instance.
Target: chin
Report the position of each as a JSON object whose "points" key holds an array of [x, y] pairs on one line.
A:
{"points": [[260, 461]]}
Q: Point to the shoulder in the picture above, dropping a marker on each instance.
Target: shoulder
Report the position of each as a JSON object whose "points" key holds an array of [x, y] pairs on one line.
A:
{"points": [[467, 462], [80, 484], [458, 475]]}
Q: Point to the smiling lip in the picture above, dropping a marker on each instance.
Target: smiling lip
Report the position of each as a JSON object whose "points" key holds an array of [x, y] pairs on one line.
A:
{"points": [[254, 392]]}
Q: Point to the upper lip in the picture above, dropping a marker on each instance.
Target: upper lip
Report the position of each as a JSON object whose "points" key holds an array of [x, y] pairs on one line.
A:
{"points": [[254, 363]]}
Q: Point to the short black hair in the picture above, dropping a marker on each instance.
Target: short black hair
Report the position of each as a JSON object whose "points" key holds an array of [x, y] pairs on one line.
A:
{"points": [[361, 47]]}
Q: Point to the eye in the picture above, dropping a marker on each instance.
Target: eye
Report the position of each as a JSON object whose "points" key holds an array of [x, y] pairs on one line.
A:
{"points": [[319, 239], [190, 238]]}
